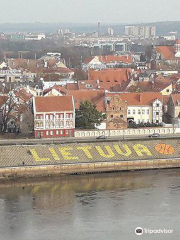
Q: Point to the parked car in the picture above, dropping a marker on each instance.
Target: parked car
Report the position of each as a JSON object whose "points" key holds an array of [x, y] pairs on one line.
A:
{"points": [[101, 137], [154, 135]]}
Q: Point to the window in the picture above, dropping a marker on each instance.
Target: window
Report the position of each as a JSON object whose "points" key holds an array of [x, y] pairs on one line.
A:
{"points": [[47, 133], [129, 111], [47, 117], [121, 116], [61, 132], [147, 111], [143, 111], [157, 121], [157, 113], [167, 90], [139, 120], [67, 132], [51, 132], [111, 116], [139, 111], [61, 115], [51, 117], [157, 105], [57, 132], [42, 134], [134, 111], [67, 123]]}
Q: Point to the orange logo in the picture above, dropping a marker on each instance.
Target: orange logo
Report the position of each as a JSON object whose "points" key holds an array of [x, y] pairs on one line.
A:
{"points": [[164, 149]]}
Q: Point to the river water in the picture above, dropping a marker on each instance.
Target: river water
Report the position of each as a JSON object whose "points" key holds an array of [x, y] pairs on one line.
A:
{"points": [[103, 207]]}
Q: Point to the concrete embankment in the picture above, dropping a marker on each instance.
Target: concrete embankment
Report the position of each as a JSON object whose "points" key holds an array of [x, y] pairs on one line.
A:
{"points": [[77, 158]]}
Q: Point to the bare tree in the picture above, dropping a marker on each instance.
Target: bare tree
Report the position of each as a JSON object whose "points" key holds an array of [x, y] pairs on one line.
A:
{"points": [[27, 121], [7, 110]]}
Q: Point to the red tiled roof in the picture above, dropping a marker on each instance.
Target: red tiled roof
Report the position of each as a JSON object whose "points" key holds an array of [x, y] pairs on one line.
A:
{"points": [[23, 95], [148, 86], [72, 86], [110, 75], [87, 60], [176, 99], [54, 104], [59, 88], [177, 41], [83, 84], [136, 99], [3, 99], [168, 52], [94, 96], [111, 58]]}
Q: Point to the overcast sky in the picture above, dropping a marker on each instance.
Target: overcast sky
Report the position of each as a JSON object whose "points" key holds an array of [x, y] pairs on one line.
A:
{"points": [[89, 11]]}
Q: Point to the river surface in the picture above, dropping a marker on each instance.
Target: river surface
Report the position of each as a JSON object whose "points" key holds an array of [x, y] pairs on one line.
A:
{"points": [[102, 207]]}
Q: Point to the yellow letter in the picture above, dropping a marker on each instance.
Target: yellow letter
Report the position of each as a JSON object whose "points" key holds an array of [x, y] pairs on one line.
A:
{"points": [[54, 154], [86, 151], [36, 157], [140, 149], [108, 149], [67, 155], [120, 152]]}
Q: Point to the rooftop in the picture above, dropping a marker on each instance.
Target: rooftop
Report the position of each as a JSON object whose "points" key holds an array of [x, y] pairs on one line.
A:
{"points": [[54, 104]]}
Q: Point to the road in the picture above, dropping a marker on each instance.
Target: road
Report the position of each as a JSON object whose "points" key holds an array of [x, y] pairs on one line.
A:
{"points": [[4, 142]]}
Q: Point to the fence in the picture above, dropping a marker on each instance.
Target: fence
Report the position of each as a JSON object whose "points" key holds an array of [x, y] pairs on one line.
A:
{"points": [[125, 132]]}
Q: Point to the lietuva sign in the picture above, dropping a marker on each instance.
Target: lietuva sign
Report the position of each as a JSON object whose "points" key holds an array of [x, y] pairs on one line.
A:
{"points": [[89, 152]]}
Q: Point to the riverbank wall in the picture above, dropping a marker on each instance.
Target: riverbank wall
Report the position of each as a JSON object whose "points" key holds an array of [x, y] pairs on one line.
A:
{"points": [[79, 158]]}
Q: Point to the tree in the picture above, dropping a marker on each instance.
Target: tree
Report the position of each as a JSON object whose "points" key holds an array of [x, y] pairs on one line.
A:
{"points": [[80, 74], [27, 121], [87, 116], [148, 52], [8, 108]]}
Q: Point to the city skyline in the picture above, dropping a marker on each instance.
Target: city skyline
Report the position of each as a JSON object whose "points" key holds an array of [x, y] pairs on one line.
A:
{"points": [[80, 11]]}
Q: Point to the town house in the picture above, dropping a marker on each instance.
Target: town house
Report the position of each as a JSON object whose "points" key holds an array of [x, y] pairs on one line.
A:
{"points": [[144, 107], [54, 116]]}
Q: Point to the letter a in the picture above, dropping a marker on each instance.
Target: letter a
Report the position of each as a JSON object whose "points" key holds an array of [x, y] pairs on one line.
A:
{"points": [[140, 149], [120, 152]]}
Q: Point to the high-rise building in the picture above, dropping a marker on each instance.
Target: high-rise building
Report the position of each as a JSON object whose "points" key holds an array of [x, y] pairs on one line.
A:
{"points": [[128, 30], [136, 31], [111, 31], [140, 31], [147, 32], [153, 31], [99, 25]]}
